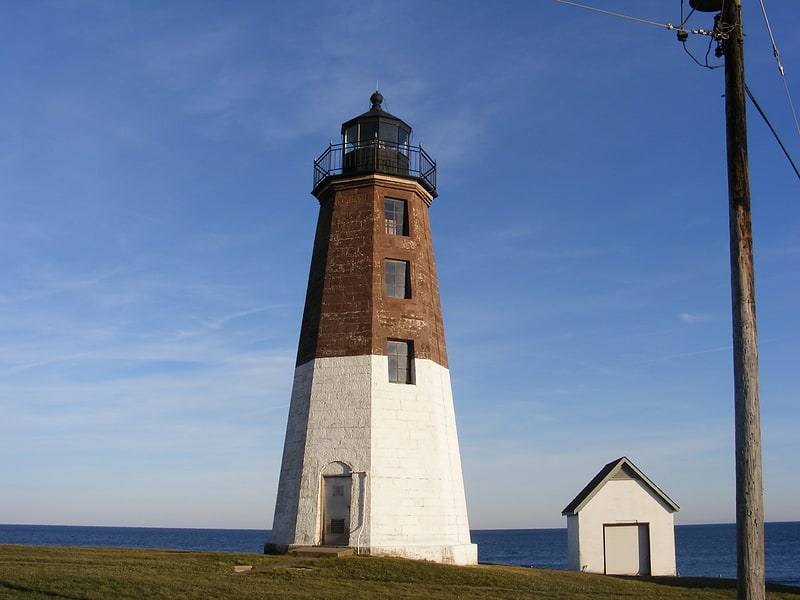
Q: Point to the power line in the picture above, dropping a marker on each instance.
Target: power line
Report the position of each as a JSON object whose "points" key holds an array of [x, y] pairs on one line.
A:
{"points": [[613, 14], [670, 26], [719, 33], [780, 66], [771, 128]]}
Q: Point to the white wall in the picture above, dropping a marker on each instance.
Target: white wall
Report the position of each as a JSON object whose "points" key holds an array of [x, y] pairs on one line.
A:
{"points": [[400, 442], [329, 418], [573, 554]]}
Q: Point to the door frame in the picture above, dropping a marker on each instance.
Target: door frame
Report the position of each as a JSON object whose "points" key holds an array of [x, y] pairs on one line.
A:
{"points": [[336, 479]]}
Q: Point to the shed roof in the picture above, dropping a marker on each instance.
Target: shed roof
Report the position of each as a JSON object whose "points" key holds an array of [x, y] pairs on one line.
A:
{"points": [[622, 468]]}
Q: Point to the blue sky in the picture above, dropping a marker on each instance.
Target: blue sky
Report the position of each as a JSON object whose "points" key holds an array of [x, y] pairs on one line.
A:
{"points": [[157, 223]]}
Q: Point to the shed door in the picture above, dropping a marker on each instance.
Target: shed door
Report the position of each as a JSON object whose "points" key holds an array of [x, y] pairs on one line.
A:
{"points": [[627, 549], [336, 512]]}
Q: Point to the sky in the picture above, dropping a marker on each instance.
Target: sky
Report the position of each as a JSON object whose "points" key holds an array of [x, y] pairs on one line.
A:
{"points": [[156, 227]]}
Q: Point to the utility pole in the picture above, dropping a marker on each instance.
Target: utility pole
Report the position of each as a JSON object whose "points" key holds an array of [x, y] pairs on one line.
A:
{"points": [[749, 494], [749, 491]]}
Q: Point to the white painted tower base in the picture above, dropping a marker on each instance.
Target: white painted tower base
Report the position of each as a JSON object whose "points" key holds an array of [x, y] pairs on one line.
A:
{"points": [[392, 446]]}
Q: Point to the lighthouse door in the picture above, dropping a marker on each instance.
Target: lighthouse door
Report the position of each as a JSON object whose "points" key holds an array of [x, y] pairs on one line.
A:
{"points": [[336, 511]]}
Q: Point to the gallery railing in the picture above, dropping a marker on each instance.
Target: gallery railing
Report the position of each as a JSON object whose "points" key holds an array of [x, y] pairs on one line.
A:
{"points": [[376, 156]]}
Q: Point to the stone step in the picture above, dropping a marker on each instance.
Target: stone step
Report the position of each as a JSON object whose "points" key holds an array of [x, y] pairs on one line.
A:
{"points": [[321, 551]]}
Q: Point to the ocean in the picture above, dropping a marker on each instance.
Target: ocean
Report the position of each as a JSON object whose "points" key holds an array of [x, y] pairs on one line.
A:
{"points": [[701, 550]]}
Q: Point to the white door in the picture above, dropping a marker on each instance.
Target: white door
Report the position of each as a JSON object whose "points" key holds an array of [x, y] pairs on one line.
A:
{"points": [[627, 549], [336, 512]]}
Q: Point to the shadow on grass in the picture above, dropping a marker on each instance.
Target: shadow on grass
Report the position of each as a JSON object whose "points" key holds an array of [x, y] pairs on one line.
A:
{"points": [[28, 590], [712, 583]]}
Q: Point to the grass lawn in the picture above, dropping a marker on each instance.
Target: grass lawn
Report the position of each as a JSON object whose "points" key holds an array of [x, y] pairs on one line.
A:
{"points": [[32, 572]]}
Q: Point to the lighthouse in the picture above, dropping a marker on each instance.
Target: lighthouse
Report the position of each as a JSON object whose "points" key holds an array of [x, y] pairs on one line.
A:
{"points": [[371, 457]]}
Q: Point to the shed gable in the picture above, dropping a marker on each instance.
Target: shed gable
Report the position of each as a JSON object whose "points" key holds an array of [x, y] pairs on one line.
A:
{"points": [[621, 469]]}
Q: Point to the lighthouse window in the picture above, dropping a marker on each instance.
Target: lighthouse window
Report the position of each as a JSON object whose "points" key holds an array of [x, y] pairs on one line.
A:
{"points": [[397, 279], [388, 133], [395, 216], [368, 133], [401, 360], [351, 138], [402, 140]]}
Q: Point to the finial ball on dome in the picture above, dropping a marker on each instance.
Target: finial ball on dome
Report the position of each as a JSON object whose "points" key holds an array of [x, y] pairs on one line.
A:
{"points": [[376, 99]]}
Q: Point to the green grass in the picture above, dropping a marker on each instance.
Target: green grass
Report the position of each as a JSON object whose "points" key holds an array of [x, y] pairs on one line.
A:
{"points": [[33, 572]]}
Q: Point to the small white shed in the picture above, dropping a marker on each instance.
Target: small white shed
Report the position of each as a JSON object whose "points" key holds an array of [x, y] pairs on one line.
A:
{"points": [[621, 523]]}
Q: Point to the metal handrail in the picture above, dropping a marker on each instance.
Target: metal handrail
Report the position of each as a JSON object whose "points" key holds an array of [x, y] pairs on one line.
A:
{"points": [[376, 156]]}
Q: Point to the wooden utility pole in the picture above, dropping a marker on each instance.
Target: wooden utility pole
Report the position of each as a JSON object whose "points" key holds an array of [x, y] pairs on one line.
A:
{"points": [[749, 492], [749, 495]]}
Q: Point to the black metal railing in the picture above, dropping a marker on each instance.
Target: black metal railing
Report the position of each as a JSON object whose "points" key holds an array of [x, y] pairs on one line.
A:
{"points": [[376, 157]]}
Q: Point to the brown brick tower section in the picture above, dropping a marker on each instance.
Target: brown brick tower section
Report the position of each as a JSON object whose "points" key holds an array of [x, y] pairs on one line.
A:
{"points": [[347, 310]]}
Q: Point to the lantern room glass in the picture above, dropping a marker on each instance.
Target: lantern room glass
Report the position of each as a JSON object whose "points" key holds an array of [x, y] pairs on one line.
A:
{"points": [[389, 135]]}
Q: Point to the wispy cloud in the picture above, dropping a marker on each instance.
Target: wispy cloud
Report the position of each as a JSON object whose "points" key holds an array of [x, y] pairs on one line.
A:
{"points": [[694, 317]]}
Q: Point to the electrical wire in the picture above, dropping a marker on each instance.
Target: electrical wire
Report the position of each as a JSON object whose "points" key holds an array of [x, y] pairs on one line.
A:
{"points": [[684, 21], [613, 14], [714, 34], [719, 34], [772, 129], [683, 39], [780, 66], [705, 64]]}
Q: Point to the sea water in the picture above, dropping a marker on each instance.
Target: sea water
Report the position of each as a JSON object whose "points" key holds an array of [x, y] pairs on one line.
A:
{"points": [[701, 550]]}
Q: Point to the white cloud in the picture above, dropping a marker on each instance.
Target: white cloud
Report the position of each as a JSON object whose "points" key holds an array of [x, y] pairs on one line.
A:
{"points": [[693, 317]]}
